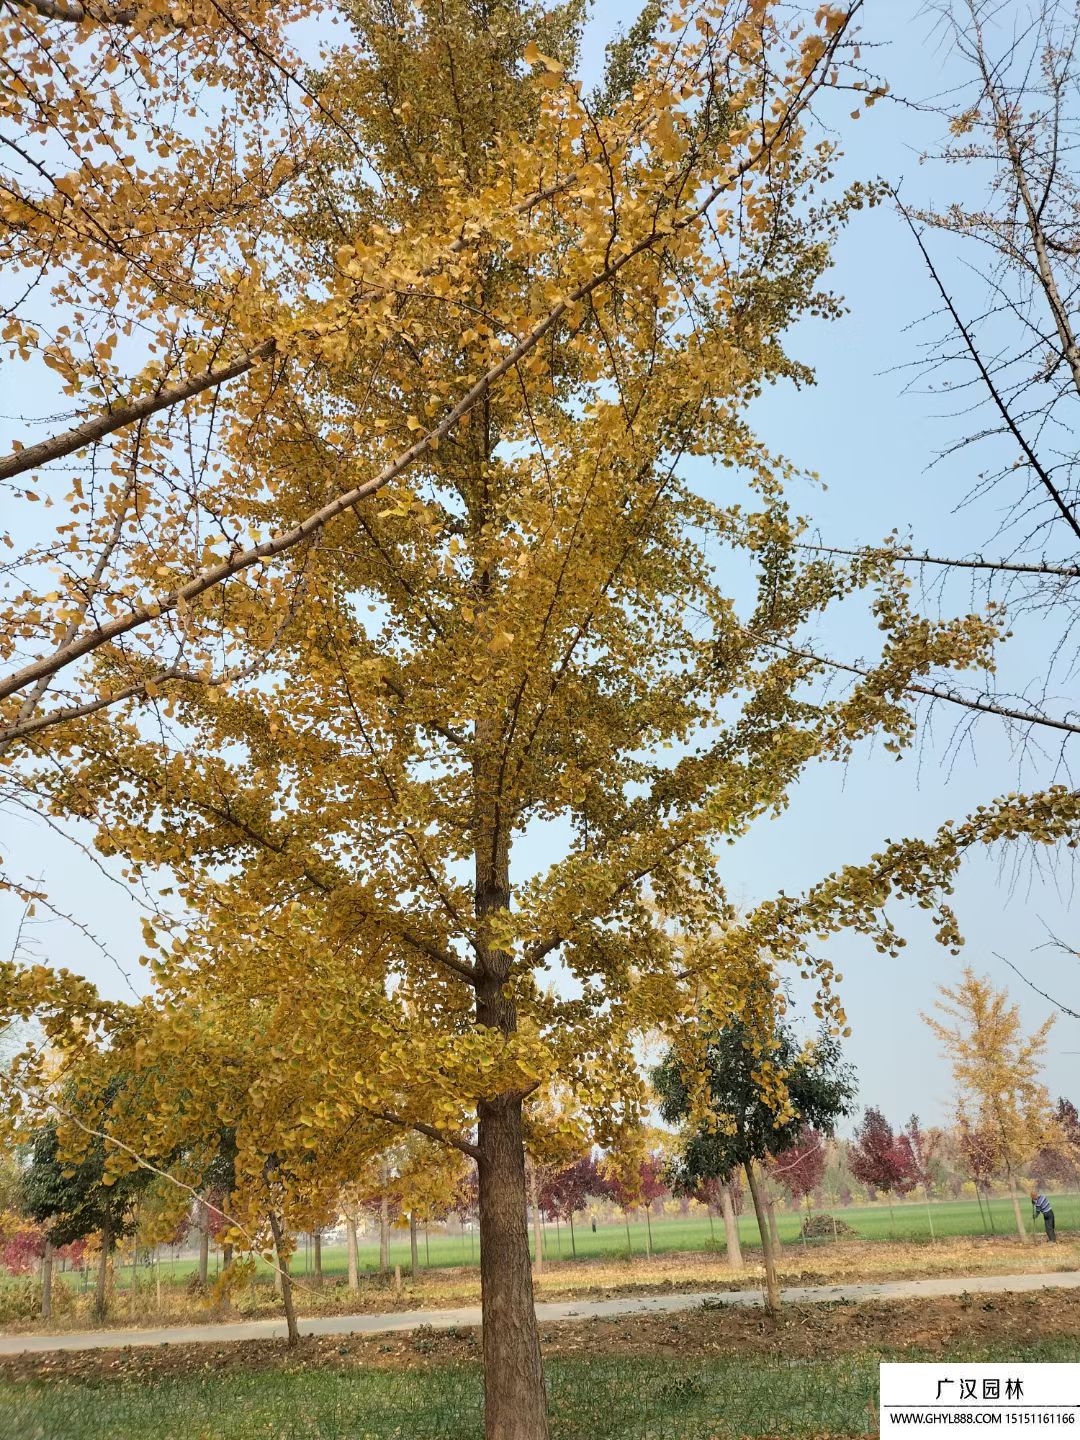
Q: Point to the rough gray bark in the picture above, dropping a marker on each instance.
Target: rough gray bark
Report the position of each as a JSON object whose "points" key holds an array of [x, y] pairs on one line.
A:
{"points": [[515, 1401]]}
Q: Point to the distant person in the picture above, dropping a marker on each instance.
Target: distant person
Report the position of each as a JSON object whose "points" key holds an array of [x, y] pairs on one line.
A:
{"points": [[594, 1224], [1041, 1206]]}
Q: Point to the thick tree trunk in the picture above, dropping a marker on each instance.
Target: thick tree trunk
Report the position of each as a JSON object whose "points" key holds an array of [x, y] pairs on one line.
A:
{"points": [[772, 1287], [352, 1246], [515, 1402], [101, 1292], [204, 1242], [284, 1280], [316, 1241], [731, 1229], [46, 1281], [538, 1225], [414, 1253], [384, 1235]]}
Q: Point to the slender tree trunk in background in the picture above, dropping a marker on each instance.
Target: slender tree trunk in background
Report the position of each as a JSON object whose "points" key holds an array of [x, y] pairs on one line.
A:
{"points": [[384, 1235], [990, 1211], [226, 1265], [204, 1242], [573, 1241], [629, 1242], [538, 1224], [284, 1280], [892, 1212], [558, 1235], [100, 1294], [648, 1235], [157, 1278], [352, 1247], [982, 1215], [316, 1241], [515, 1401], [929, 1214], [731, 1229], [774, 1229], [772, 1287], [46, 1281], [427, 1245], [712, 1227], [414, 1255], [1020, 1227]]}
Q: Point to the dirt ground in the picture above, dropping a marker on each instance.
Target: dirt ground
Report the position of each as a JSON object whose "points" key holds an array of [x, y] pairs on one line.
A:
{"points": [[811, 1331], [845, 1261]]}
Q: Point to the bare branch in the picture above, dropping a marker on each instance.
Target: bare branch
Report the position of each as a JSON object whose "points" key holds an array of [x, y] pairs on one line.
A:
{"points": [[909, 557]]}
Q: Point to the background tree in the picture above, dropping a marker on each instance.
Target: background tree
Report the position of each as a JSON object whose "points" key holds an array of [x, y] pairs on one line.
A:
{"points": [[800, 1168], [74, 1199], [1059, 1158], [880, 1158], [751, 1100], [924, 1147], [566, 1191], [980, 1154], [996, 1067]]}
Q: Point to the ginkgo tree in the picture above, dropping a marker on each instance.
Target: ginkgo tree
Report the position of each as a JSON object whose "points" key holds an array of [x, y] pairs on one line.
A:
{"points": [[998, 1072], [483, 563]]}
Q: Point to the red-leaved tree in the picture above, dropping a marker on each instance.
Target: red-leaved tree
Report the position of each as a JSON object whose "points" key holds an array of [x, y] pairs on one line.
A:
{"points": [[981, 1155], [800, 1168], [879, 1158], [565, 1192]]}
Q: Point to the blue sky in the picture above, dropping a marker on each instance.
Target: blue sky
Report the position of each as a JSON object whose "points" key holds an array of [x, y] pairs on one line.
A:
{"points": [[872, 445]]}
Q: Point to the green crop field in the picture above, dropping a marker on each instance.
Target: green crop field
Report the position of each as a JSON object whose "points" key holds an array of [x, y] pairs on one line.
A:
{"points": [[907, 1221], [599, 1398]]}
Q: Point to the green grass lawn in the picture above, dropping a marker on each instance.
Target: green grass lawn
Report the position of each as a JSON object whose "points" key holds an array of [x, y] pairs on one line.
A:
{"points": [[908, 1220], [594, 1398]]}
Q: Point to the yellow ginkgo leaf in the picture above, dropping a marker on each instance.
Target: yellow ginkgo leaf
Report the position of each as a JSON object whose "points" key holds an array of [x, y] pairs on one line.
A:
{"points": [[533, 55]]}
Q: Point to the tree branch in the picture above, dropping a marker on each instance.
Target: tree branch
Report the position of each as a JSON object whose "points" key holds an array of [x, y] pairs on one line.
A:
{"points": [[465, 1146], [908, 557], [317, 520], [1044, 476], [935, 692], [118, 418]]}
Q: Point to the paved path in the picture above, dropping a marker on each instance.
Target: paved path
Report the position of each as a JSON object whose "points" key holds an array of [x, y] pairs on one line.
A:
{"points": [[546, 1310]]}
